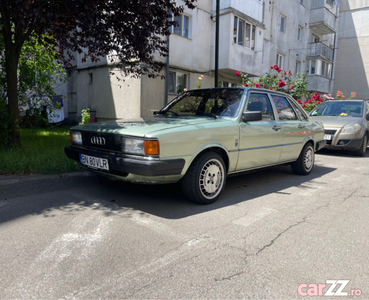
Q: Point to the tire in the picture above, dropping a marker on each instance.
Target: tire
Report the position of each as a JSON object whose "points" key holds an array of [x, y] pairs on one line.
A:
{"points": [[362, 150], [305, 163], [209, 166]]}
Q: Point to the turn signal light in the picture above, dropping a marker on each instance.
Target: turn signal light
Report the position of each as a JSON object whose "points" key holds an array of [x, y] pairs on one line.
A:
{"points": [[151, 147]]}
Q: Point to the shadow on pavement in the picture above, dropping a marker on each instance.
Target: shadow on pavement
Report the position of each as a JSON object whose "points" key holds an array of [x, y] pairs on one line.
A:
{"points": [[69, 195]]}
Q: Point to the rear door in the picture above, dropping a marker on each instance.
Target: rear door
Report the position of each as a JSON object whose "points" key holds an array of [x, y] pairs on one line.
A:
{"points": [[294, 127]]}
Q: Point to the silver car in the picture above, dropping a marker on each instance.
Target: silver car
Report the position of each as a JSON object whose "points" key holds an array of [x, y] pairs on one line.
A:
{"points": [[346, 124]]}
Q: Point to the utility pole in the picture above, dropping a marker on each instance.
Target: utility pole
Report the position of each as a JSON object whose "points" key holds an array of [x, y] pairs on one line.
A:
{"points": [[217, 43]]}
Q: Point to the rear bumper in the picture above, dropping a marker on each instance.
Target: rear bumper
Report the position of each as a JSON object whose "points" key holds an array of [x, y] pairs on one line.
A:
{"points": [[123, 166], [320, 144]]}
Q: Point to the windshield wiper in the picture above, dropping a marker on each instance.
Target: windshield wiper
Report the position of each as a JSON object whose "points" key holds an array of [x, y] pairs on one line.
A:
{"points": [[164, 112], [207, 114]]}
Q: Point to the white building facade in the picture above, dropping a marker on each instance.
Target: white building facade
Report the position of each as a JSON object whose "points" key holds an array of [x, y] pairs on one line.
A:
{"points": [[352, 68], [298, 35]]}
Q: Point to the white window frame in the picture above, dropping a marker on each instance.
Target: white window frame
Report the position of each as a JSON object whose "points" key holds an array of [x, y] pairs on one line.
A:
{"points": [[177, 87], [280, 61], [244, 33], [180, 30], [298, 67], [282, 23]]}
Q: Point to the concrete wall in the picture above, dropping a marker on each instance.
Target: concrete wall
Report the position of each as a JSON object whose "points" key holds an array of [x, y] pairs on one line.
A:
{"points": [[352, 68]]}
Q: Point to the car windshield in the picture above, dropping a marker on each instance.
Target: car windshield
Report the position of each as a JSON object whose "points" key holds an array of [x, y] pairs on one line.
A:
{"points": [[212, 102], [339, 108]]}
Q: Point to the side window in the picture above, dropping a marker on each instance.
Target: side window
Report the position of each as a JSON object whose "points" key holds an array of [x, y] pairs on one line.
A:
{"points": [[299, 111], [284, 109], [260, 102]]}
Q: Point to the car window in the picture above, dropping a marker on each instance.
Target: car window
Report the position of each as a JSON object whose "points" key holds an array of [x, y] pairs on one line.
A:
{"points": [[339, 108], [284, 109], [260, 102], [299, 110], [219, 102]]}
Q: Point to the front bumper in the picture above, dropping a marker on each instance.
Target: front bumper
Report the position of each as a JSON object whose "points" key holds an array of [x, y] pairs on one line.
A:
{"points": [[124, 166], [346, 144]]}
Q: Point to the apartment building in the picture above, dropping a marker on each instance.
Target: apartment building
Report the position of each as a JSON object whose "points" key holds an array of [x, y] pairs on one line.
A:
{"points": [[298, 35], [352, 66]]}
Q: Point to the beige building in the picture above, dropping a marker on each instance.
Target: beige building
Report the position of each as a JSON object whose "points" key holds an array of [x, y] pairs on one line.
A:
{"points": [[298, 35], [352, 67]]}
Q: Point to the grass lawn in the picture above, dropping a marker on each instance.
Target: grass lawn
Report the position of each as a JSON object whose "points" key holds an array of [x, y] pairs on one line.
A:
{"points": [[42, 152]]}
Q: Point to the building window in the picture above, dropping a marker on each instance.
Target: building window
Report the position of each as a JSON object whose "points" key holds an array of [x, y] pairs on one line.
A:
{"points": [[325, 69], [280, 61], [312, 67], [299, 33], [244, 33], [183, 26], [282, 23], [90, 78], [316, 39], [177, 82], [297, 67]]}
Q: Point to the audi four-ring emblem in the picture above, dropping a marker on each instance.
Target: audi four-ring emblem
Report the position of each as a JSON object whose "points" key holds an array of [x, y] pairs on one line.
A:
{"points": [[97, 140]]}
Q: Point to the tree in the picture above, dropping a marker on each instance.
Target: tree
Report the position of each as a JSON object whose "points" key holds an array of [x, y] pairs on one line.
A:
{"points": [[132, 30]]}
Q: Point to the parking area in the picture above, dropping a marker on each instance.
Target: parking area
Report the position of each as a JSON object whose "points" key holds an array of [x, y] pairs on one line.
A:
{"points": [[272, 234]]}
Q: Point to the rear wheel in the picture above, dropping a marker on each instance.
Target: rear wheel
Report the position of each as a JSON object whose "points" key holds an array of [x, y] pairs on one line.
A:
{"points": [[362, 150], [305, 163], [205, 179]]}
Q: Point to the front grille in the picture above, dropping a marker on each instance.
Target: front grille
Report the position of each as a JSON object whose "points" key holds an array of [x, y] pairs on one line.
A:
{"points": [[113, 142], [330, 131]]}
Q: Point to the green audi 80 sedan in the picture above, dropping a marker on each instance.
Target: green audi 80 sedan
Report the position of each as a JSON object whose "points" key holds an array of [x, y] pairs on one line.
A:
{"points": [[346, 124], [200, 138]]}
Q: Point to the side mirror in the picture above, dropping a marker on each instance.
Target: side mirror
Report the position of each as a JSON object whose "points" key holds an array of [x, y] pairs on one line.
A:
{"points": [[367, 116], [249, 116]]}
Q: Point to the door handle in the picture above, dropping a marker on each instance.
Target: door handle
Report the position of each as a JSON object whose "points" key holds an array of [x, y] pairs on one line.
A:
{"points": [[276, 128], [301, 126]]}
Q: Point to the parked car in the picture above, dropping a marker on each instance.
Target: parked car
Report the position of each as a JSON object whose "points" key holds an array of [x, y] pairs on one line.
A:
{"points": [[200, 138], [346, 124]]}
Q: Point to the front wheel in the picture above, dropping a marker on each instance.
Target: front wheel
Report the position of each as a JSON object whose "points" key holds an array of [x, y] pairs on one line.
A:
{"points": [[205, 179], [362, 150], [305, 163]]}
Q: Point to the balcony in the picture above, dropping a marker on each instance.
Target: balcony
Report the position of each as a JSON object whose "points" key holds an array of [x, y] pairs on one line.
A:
{"points": [[320, 50], [323, 15]]}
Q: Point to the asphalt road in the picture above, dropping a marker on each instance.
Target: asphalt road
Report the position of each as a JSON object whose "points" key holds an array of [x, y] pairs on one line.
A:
{"points": [[272, 234]]}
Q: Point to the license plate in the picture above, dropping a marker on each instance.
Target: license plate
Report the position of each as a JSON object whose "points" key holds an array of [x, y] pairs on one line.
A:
{"points": [[327, 137], [94, 162]]}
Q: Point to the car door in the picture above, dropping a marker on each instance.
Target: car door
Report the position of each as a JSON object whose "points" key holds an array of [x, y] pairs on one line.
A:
{"points": [[260, 141], [294, 127]]}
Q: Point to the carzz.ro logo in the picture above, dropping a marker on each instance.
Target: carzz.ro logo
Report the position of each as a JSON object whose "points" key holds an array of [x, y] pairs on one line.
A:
{"points": [[329, 288]]}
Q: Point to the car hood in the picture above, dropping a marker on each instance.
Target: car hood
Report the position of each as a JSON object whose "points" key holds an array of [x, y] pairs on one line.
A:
{"points": [[142, 127], [337, 122]]}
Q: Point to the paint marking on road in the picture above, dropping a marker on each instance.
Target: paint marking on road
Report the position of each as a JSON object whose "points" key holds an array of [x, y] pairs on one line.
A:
{"points": [[253, 217]]}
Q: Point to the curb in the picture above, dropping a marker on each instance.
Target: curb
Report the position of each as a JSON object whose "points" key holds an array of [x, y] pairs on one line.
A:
{"points": [[13, 179]]}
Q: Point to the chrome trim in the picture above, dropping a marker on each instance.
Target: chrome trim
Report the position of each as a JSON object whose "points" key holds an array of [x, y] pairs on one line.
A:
{"points": [[98, 140], [141, 157]]}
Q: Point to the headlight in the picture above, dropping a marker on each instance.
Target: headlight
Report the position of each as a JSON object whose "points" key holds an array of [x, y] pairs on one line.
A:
{"points": [[351, 128], [140, 146], [76, 137]]}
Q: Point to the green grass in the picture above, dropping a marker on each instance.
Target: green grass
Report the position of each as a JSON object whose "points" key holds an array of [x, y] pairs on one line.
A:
{"points": [[42, 152]]}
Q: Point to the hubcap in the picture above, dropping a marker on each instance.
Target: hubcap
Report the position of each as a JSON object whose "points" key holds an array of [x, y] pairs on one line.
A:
{"points": [[309, 159], [211, 178]]}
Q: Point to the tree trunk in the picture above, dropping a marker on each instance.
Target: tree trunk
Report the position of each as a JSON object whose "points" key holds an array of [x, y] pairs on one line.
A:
{"points": [[11, 66]]}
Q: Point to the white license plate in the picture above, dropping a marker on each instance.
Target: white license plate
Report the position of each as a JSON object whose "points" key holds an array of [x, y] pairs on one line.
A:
{"points": [[327, 137], [94, 162]]}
